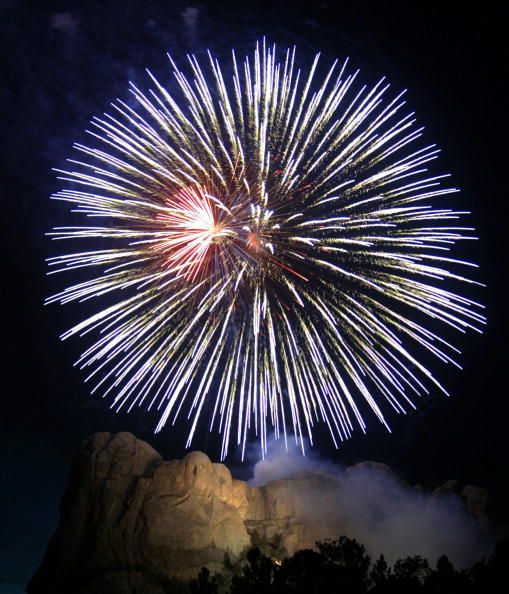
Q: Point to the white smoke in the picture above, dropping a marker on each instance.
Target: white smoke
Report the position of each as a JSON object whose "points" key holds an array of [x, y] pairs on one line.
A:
{"points": [[285, 460], [379, 510]]}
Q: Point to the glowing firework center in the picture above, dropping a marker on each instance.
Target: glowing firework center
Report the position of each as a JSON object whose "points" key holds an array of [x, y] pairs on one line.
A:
{"points": [[203, 236]]}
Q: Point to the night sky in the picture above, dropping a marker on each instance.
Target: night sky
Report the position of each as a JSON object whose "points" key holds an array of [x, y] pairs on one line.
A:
{"points": [[64, 61]]}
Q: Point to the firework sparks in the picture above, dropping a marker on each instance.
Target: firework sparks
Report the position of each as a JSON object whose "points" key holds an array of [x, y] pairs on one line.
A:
{"points": [[266, 248]]}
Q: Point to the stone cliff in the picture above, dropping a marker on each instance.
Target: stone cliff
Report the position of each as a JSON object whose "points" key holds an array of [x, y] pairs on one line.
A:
{"points": [[131, 521]]}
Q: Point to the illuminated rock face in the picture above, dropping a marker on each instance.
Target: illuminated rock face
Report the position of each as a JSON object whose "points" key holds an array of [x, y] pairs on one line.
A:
{"points": [[126, 509], [130, 522]]}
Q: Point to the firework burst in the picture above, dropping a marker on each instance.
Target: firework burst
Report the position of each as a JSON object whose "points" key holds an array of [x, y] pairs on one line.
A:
{"points": [[266, 248]]}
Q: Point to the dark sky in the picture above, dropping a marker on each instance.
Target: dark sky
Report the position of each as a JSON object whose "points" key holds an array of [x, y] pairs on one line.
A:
{"points": [[65, 60]]}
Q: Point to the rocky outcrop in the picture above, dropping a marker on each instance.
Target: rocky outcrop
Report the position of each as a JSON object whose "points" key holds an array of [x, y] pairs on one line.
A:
{"points": [[132, 522], [475, 498], [127, 509]]}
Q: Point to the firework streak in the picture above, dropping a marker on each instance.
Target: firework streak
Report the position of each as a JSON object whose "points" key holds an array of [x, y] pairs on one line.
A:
{"points": [[264, 247]]}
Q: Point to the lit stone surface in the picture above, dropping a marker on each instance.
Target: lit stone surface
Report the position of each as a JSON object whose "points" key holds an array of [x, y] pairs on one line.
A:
{"points": [[130, 522]]}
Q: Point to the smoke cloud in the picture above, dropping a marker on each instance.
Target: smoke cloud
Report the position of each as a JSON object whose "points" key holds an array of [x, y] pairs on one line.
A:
{"points": [[283, 462], [374, 506]]}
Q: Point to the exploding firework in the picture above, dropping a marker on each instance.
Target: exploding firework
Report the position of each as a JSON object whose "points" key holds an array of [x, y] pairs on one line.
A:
{"points": [[265, 249]]}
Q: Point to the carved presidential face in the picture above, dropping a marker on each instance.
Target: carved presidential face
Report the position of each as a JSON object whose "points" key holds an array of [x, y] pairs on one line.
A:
{"points": [[198, 472]]}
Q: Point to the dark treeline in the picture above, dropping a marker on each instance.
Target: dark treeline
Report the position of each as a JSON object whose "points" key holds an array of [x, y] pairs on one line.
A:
{"points": [[342, 566]]}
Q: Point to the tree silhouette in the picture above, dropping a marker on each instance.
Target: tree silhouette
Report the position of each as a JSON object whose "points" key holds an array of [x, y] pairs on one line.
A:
{"points": [[347, 563], [337, 566], [446, 580], [487, 577], [304, 572], [381, 576], [410, 574], [343, 567], [202, 584], [257, 575]]}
